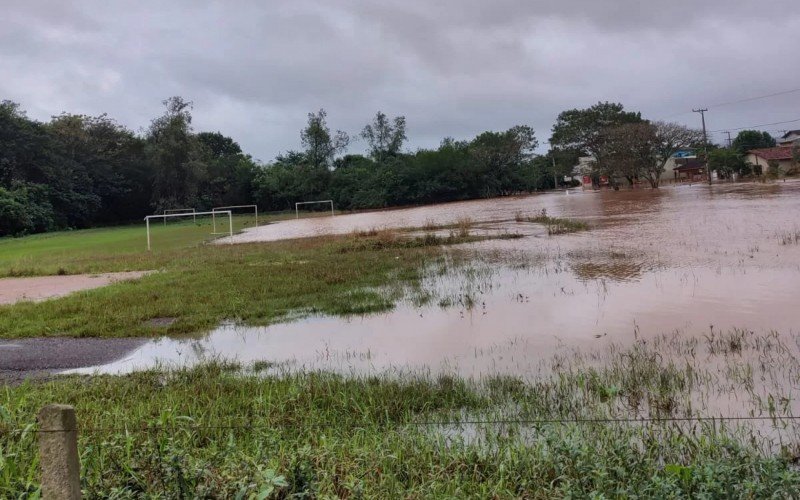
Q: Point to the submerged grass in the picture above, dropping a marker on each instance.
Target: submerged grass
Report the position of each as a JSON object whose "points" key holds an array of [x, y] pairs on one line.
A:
{"points": [[221, 430], [554, 225]]}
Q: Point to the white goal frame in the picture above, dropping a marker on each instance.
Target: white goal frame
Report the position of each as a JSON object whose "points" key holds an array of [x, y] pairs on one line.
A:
{"points": [[297, 206], [231, 207], [195, 214], [180, 210]]}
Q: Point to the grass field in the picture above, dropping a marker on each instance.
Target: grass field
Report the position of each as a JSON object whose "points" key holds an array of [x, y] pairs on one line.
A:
{"points": [[225, 431], [121, 248], [201, 285]]}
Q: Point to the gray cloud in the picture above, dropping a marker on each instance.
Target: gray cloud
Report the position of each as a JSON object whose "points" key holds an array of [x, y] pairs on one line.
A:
{"points": [[452, 67]]}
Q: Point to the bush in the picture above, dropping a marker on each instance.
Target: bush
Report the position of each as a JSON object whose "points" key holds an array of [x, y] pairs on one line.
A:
{"points": [[24, 210]]}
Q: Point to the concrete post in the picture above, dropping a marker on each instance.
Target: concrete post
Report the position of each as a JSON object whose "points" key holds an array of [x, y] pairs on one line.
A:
{"points": [[58, 453]]}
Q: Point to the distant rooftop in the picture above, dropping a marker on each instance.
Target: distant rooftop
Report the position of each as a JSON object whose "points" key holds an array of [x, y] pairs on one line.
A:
{"points": [[790, 133], [776, 153]]}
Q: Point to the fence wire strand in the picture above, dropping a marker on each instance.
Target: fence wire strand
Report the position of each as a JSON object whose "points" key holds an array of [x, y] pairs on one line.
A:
{"points": [[424, 423]]}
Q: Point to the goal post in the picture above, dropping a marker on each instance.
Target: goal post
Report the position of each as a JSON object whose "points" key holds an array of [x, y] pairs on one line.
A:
{"points": [[297, 206], [186, 214], [216, 210], [171, 211]]}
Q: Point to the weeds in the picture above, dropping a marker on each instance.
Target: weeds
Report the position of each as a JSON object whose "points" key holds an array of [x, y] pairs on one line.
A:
{"points": [[554, 225], [221, 430], [790, 237]]}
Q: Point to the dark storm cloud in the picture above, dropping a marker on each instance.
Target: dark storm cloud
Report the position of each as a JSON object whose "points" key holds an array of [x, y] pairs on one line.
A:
{"points": [[454, 68]]}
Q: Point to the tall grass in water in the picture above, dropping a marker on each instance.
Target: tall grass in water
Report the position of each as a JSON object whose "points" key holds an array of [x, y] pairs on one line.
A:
{"points": [[790, 237], [554, 225], [222, 430], [463, 226]]}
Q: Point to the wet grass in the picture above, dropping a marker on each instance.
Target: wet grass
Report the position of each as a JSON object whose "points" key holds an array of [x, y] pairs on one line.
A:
{"points": [[789, 237], [554, 225], [253, 284], [222, 430]]}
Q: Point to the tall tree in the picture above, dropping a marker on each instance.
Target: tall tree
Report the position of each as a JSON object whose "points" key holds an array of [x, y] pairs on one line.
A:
{"points": [[577, 132], [176, 156], [384, 136], [320, 146], [752, 139], [218, 145], [229, 172], [627, 151], [668, 139], [499, 154]]}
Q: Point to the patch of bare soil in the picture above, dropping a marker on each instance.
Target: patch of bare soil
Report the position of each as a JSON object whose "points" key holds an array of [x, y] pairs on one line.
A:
{"points": [[47, 287]]}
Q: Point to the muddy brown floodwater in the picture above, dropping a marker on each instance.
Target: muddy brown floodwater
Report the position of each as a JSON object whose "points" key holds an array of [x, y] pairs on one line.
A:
{"points": [[683, 260]]}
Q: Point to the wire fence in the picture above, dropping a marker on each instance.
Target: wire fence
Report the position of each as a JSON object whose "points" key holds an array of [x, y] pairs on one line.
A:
{"points": [[147, 428]]}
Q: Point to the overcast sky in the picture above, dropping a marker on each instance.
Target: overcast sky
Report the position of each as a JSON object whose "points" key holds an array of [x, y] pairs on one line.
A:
{"points": [[452, 67]]}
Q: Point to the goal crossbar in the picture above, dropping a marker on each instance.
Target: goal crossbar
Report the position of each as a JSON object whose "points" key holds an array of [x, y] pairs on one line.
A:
{"points": [[297, 206], [170, 216], [180, 210], [230, 207]]}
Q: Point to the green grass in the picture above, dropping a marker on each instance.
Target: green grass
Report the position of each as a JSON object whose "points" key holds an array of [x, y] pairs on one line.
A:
{"points": [[121, 248], [214, 431], [251, 283], [203, 285]]}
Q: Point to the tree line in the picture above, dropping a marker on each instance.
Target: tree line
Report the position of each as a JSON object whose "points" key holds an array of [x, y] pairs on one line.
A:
{"points": [[79, 171]]}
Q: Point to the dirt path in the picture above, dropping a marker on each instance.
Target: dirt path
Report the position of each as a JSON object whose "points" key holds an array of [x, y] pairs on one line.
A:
{"points": [[48, 287]]}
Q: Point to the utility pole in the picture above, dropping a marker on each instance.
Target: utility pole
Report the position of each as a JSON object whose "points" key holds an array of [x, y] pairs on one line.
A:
{"points": [[729, 138], [555, 178], [702, 112]]}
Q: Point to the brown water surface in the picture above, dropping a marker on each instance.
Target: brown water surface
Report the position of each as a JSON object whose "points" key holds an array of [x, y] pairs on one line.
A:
{"points": [[685, 259]]}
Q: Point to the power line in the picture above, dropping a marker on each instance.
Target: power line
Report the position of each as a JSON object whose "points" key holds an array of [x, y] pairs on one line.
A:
{"points": [[757, 126], [748, 99], [728, 103]]}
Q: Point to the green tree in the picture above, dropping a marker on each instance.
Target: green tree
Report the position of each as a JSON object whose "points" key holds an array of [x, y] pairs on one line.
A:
{"points": [[499, 157], [229, 172], [320, 146], [752, 139], [385, 137], [626, 150], [667, 139], [578, 132], [728, 161], [106, 160], [176, 156]]}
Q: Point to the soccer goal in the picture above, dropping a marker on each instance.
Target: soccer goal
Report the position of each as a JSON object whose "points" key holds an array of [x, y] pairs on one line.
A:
{"points": [[171, 211], [231, 207], [194, 215], [317, 202]]}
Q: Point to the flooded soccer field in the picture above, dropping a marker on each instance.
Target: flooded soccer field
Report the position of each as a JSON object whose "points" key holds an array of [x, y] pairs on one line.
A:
{"points": [[689, 262]]}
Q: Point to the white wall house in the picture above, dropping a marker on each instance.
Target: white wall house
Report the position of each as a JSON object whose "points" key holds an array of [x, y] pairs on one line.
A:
{"points": [[782, 155], [789, 138]]}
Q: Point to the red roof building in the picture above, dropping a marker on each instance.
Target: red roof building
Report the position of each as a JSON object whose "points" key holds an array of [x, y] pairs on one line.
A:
{"points": [[776, 153], [780, 156]]}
